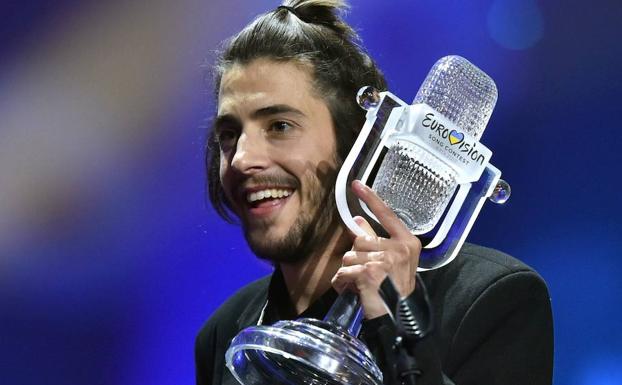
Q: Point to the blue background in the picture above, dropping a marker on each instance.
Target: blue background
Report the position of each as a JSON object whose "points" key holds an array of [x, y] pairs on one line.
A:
{"points": [[110, 257]]}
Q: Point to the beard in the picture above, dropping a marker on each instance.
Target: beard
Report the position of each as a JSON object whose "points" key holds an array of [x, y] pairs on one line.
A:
{"points": [[309, 233]]}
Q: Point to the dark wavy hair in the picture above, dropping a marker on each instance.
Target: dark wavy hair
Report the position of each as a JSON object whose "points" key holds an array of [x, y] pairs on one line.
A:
{"points": [[311, 33]]}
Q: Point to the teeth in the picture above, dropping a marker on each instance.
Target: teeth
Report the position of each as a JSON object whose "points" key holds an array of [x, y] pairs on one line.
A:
{"points": [[267, 193]]}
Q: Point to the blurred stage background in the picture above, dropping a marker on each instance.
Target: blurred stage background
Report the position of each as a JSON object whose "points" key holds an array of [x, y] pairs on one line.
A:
{"points": [[110, 258]]}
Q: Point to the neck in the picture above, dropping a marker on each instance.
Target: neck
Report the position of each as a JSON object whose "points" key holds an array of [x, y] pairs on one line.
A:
{"points": [[307, 280]]}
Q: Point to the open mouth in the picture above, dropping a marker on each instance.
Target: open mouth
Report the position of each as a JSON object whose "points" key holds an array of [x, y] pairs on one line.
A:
{"points": [[268, 197]]}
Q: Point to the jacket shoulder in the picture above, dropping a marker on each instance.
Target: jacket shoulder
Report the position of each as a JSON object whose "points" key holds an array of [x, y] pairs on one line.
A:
{"points": [[227, 314], [475, 293], [475, 269], [216, 334], [495, 303]]}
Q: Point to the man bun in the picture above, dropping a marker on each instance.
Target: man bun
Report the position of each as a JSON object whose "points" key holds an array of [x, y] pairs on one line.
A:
{"points": [[323, 12]]}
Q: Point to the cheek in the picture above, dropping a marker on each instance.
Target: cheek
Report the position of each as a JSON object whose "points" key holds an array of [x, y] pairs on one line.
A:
{"points": [[319, 164], [318, 180]]}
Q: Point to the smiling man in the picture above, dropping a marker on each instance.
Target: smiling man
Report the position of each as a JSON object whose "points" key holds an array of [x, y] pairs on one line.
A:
{"points": [[278, 152], [286, 118]]}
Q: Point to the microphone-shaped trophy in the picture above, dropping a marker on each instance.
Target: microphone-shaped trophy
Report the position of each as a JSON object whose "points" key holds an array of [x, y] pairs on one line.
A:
{"points": [[424, 160], [424, 156]]}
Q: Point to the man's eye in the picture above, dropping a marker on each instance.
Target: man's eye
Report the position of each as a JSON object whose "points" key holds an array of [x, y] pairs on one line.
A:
{"points": [[226, 138], [280, 126]]}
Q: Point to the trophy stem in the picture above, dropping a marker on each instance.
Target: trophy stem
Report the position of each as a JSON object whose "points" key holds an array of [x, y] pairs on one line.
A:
{"points": [[346, 313]]}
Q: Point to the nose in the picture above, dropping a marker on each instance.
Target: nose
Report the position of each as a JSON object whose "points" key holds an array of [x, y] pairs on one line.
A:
{"points": [[250, 154]]}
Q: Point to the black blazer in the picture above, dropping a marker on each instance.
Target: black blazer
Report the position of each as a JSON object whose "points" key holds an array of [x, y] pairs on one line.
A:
{"points": [[493, 325]]}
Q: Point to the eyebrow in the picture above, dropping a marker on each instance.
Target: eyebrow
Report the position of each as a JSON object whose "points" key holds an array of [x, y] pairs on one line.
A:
{"points": [[276, 109], [223, 120], [260, 113]]}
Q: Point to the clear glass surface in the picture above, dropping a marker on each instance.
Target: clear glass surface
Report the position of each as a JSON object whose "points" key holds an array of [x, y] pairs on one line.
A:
{"points": [[501, 192], [306, 351], [368, 97], [460, 91], [415, 184]]}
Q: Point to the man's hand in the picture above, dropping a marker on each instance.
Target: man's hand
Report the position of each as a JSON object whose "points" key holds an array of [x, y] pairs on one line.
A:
{"points": [[372, 258]]}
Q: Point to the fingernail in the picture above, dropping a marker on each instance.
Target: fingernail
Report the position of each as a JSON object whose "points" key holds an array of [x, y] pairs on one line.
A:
{"points": [[359, 185], [359, 220]]}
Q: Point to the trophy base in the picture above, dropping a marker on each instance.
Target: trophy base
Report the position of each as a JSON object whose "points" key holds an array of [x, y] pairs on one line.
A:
{"points": [[305, 351]]}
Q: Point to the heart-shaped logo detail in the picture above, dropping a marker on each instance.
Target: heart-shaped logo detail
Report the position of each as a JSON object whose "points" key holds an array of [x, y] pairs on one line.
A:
{"points": [[455, 137]]}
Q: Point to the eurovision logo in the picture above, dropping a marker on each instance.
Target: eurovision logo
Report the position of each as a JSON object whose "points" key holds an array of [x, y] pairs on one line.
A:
{"points": [[459, 145]]}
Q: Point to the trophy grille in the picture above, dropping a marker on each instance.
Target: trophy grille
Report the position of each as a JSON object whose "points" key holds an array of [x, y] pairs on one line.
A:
{"points": [[415, 184], [460, 91]]}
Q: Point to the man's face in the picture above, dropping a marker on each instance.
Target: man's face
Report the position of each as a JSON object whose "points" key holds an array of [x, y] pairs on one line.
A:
{"points": [[278, 157]]}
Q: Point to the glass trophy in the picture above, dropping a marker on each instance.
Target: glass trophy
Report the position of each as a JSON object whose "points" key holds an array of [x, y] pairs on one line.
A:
{"points": [[425, 160]]}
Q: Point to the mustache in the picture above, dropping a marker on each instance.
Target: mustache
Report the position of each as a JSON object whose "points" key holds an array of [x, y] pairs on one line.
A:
{"points": [[281, 180]]}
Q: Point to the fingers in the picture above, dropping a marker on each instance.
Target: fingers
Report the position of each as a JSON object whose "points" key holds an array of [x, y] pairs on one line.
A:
{"points": [[369, 242], [373, 258], [387, 218], [365, 225], [366, 276], [351, 258], [395, 263], [396, 256], [364, 280]]}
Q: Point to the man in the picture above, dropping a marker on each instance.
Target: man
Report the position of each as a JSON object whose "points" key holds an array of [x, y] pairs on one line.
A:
{"points": [[286, 119]]}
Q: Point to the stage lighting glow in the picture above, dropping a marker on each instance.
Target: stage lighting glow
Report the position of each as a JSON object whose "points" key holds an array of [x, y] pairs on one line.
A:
{"points": [[602, 371], [515, 24]]}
